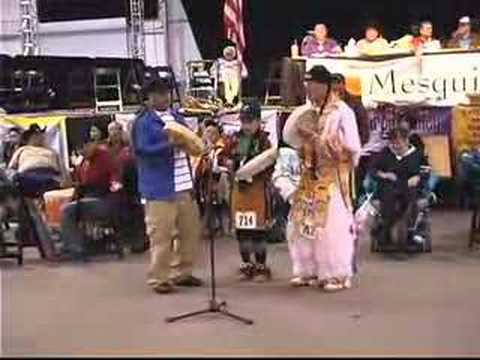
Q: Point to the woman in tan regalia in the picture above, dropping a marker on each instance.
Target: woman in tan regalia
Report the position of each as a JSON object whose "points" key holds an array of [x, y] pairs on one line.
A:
{"points": [[321, 228]]}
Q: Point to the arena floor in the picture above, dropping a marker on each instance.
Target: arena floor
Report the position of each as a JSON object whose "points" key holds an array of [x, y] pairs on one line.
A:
{"points": [[427, 305]]}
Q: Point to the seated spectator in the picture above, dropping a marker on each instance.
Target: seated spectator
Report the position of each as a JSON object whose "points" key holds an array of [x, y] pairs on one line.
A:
{"points": [[373, 43], [425, 40], [410, 123], [9, 199], [404, 43], [318, 44], [97, 180], [38, 168], [119, 147], [463, 37], [128, 208], [96, 134], [11, 142], [398, 170]]}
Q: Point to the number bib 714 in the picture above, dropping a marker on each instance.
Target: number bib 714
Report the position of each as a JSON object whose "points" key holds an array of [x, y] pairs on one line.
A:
{"points": [[246, 220]]}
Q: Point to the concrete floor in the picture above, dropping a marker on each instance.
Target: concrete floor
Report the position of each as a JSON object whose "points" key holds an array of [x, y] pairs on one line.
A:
{"points": [[427, 305]]}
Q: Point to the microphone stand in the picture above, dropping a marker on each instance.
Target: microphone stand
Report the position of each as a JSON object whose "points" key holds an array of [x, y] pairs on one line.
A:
{"points": [[214, 305]]}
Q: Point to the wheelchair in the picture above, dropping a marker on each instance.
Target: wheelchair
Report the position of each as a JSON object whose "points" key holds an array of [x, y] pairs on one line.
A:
{"points": [[9, 208], [469, 181], [418, 223], [22, 217], [101, 237]]}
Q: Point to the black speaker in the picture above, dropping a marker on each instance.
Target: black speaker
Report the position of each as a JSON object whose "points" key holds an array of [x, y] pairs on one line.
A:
{"points": [[68, 10], [292, 89], [6, 81]]}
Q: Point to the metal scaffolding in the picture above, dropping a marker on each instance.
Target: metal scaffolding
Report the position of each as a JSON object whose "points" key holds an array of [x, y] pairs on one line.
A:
{"points": [[159, 25], [136, 30], [29, 27]]}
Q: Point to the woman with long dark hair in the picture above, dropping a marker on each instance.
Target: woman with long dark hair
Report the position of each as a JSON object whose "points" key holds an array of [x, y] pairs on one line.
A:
{"points": [[96, 179]]}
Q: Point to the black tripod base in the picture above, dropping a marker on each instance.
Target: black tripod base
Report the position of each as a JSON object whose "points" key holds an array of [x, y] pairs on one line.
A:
{"points": [[214, 307]]}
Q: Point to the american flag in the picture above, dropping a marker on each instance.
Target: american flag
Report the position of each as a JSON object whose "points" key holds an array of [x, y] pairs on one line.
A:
{"points": [[233, 23]]}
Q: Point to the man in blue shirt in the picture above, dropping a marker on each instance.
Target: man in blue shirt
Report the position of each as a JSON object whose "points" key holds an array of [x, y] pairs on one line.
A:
{"points": [[165, 183]]}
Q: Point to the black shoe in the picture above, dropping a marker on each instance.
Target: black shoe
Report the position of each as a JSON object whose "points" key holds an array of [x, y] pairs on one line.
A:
{"points": [[165, 288], [246, 271], [188, 281], [262, 274]]}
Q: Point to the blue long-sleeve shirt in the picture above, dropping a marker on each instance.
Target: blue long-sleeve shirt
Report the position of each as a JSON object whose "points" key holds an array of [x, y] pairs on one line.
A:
{"points": [[155, 156]]}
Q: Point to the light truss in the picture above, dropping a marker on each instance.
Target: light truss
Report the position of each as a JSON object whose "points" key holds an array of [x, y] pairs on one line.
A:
{"points": [[29, 27], [136, 30]]}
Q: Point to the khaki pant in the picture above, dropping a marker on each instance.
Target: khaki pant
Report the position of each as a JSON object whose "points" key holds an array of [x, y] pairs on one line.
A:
{"points": [[174, 231]]}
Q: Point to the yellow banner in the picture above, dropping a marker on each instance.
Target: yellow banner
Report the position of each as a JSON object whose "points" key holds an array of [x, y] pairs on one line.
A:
{"points": [[56, 130], [437, 148], [465, 128]]}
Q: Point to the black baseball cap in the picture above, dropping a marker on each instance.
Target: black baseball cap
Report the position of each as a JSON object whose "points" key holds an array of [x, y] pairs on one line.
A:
{"points": [[251, 110], [320, 74]]}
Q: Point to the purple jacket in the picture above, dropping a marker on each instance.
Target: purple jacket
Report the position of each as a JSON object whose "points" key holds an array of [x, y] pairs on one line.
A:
{"points": [[311, 47]]}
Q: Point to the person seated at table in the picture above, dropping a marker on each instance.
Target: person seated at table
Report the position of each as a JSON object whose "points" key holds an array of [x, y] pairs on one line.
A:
{"points": [[398, 172], [406, 41], [318, 44], [37, 167], [373, 43], [96, 181], [425, 40], [464, 37]]}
